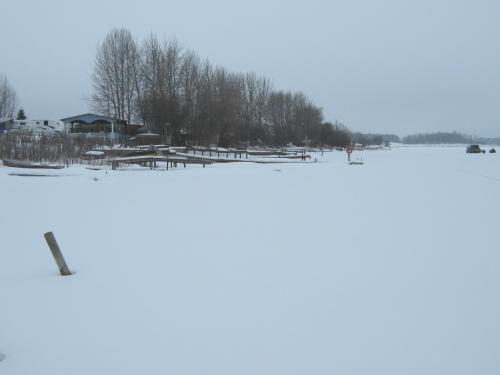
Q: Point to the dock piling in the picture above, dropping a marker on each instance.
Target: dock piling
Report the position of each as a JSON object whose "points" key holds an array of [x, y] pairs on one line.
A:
{"points": [[57, 254]]}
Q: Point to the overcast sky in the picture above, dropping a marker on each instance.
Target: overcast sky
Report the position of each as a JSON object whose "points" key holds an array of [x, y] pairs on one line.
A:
{"points": [[390, 66]]}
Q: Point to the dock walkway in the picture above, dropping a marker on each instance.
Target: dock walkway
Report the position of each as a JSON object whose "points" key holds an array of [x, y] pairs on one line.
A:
{"points": [[151, 161]]}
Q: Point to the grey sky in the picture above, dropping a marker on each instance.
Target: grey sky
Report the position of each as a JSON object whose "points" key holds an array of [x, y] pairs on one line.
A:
{"points": [[378, 66]]}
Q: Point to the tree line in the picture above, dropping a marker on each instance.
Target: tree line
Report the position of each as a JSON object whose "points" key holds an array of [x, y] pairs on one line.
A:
{"points": [[172, 90], [436, 138], [373, 139]]}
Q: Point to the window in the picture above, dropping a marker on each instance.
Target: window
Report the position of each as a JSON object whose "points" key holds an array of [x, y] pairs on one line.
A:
{"points": [[46, 122]]}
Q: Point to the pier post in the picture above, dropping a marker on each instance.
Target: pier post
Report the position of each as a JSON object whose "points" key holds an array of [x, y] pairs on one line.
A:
{"points": [[57, 254]]}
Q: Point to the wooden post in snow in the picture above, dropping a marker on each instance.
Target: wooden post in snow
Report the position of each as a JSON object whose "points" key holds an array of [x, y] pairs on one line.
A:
{"points": [[56, 253]]}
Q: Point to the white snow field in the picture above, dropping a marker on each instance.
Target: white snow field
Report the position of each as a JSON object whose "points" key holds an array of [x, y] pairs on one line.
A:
{"points": [[391, 267]]}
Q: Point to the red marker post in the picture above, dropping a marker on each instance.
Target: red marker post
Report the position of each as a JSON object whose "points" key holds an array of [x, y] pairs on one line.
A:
{"points": [[349, 152]]}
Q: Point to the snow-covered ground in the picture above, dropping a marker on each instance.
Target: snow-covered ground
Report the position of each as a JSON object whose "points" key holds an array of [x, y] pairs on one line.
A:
{"points": [[391, 267]]}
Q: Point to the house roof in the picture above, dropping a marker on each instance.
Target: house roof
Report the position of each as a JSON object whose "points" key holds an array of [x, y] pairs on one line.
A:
{"points": [[89, 118]]}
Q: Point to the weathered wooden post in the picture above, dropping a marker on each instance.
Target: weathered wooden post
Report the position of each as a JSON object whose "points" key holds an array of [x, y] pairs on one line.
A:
{"points": [[56, 253]]}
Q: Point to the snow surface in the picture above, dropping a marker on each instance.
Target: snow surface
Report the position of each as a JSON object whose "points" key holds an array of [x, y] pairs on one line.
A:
{"points": [[391, 267]]}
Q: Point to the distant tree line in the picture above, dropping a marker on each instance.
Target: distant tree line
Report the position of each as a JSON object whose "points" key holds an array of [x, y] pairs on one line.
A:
{"points": [[436, 138], [490, 141], [366, 139], [170, 89]]}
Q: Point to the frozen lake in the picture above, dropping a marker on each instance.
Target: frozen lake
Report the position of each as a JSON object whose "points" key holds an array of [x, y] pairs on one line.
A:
{"points": [[391, 267]]}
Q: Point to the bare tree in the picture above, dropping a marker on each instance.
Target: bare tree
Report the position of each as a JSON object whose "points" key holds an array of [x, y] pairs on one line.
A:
{"points": [[153, 80], [8, 98], [189, 75], [115, 76]]}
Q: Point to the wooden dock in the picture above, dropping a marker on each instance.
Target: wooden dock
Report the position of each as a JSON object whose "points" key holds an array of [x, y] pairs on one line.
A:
{"points": [[218, 152], [152, 160]]}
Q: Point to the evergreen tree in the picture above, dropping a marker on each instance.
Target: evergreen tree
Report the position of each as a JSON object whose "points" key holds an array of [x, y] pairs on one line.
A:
{"points": [[21, 115]]}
